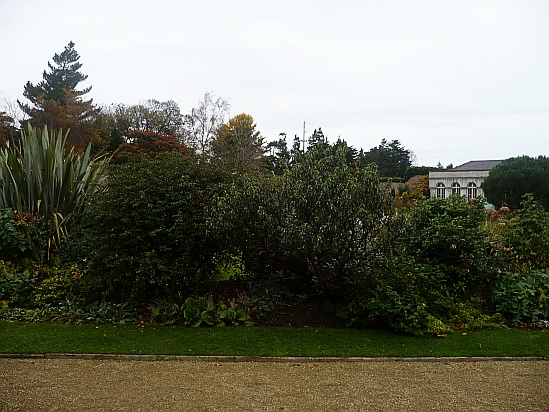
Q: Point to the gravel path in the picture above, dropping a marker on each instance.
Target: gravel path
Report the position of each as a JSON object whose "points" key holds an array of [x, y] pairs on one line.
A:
{"points": [[121, 385]]}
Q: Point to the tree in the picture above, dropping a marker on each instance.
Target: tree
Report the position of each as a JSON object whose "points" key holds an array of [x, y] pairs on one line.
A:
{"points": [[10, 120], [392, 158], [147, 142], [279, 156], [150, 115], [513, 178], [238, 143], [201, 125], [55, 101], [418, 171], [351, 154]]}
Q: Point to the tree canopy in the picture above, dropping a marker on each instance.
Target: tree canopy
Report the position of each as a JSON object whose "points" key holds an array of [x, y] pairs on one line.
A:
{"points": [[57, 103], [202, 123], [392, 158], [238, 142], [510, 180]]}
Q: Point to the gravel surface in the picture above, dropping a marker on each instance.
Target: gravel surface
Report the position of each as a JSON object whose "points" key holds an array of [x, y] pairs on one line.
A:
{"points": [[122, 385]]}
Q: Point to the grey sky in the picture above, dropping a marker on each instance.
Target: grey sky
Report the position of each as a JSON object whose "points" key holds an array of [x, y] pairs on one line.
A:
{"points": [[451, 80]]}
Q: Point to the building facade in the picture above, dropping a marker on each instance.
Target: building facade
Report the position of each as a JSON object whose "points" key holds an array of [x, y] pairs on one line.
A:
{"points": [[464, 180]]}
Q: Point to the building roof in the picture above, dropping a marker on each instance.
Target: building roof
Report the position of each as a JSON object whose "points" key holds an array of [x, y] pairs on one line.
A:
{"points": [[476, 165]]}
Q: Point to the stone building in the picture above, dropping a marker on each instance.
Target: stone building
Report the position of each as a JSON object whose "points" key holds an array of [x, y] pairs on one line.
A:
{"points": [[464, 180]]}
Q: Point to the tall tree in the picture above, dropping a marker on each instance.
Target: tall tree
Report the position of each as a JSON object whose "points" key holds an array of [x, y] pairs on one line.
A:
{"points": [[279, 156], [56, 102], [10, 120], [238, 143], [147, 116], [513, 178], [201, 125], [392, 158]]}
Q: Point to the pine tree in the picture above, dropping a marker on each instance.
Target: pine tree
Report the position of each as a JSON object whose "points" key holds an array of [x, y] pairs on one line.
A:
{"points": [[55, 101]]}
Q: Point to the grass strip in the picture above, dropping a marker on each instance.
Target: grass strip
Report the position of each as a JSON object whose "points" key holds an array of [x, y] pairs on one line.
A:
{"points": [[40, 338]]}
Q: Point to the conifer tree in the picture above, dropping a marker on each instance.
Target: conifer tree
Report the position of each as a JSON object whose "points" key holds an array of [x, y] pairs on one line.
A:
{"points": [[57, 103]]}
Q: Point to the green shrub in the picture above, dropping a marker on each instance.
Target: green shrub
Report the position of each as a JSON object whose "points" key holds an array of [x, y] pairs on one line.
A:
{"points": [[58, 286], [406, 296], [523, 296], [469, 316], [449, 234], [232, 314], [16, 289], [318, 221], [19, 236], [143, 236], [526, 239], [71, 311], [201, 312]]}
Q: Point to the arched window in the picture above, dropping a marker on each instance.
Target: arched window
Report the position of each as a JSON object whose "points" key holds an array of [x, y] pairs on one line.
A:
{"points": [[455, 188], [441, 190], [471, 190]]}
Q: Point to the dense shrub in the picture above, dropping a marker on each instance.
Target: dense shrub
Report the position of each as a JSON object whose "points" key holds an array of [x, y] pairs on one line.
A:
{"points": [[20, 238], [17, 289], [320, 220], [401, 294], [523, 296], [443, 257], [526, 238], [449, 234], [143, 236]]}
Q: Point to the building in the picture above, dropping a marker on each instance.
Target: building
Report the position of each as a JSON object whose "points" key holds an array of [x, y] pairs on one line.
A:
{"points": [[464, 180]]}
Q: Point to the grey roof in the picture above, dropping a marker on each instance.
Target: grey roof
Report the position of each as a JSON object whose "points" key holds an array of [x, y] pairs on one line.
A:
{"points": [[476, 165]]}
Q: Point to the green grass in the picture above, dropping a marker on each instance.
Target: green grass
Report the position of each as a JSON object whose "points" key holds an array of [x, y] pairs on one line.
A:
{"points": [[21, 338]]}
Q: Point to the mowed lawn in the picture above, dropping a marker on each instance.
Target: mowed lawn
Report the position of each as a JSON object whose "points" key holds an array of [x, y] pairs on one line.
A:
{"points": [[40, 338]]}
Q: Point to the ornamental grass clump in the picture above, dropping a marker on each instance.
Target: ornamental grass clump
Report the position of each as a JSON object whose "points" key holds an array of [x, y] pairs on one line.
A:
{"points": [[39, 175]]}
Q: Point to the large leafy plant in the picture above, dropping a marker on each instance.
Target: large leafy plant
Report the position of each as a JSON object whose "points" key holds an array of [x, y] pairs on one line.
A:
{"points": [[38, 175], [523, 296]]}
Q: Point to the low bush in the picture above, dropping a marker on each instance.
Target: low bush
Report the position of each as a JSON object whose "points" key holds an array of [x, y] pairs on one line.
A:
{"points": [[17, 289], [71, 311], [525, 297], [405, 296], [526, 238], [20, 237], [201, 312]]}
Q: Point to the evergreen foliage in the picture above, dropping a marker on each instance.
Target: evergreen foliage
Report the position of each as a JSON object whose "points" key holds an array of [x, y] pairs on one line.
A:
{"points": [[391, 158], [319, 220], [57, 103], [143, 237], [513, 178], [39, 175]]}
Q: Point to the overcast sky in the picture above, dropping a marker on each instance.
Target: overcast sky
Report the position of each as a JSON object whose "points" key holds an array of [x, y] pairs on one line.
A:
{"points": [[453, 81]]}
